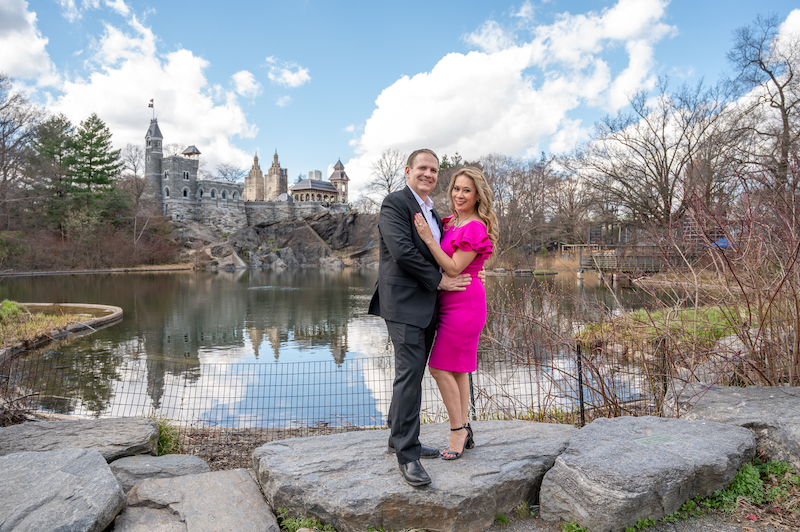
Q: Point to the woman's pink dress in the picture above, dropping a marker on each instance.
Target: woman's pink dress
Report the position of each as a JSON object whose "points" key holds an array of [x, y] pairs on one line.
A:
{"points": [[462, 315]]}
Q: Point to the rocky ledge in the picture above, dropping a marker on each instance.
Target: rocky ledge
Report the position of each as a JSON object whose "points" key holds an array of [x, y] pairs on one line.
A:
{"points": [[605, 477]]}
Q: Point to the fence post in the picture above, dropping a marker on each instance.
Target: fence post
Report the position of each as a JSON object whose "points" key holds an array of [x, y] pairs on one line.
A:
{"points": [[662, 348], [472, 399], [580, 383]]}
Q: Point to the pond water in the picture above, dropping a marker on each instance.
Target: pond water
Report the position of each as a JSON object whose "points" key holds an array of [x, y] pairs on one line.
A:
{"points": [[253, 347]]}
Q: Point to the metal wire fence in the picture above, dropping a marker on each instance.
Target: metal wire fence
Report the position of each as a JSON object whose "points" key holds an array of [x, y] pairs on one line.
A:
{"points": [[225, 410]]}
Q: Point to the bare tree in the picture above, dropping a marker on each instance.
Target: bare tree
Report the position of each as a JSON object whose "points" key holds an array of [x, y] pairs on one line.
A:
{"points": [[637, 159], [230, 172], [767, 63], [18, 117], [387, 176], [132, 180]]}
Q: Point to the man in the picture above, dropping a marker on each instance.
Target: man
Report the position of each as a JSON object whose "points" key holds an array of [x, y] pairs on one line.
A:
{"points": [[405, 296]]}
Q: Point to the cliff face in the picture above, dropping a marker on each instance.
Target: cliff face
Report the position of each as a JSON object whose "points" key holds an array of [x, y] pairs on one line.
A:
{"points": [[326, 240]]}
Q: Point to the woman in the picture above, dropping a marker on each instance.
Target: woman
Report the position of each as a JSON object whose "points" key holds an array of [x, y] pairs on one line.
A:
{"points": [[469, 236]]}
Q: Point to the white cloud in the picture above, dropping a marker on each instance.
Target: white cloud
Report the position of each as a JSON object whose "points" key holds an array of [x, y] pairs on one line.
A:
{"points": [[245, 84], [284, 101], [490, 37], [350, 129], [515, 97], [525, 12], [18, 32], [287, 74], [71, 11], [129, 71]]}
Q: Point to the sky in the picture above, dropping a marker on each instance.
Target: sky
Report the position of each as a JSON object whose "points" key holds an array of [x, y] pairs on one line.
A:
{"points": [[321, 81]]}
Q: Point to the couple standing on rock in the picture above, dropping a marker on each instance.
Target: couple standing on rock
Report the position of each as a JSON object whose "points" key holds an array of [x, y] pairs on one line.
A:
{"points": [[427, 288]]}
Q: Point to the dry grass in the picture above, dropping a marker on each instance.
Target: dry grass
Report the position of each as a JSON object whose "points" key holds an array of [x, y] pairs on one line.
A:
{"points": [[28, 328]]}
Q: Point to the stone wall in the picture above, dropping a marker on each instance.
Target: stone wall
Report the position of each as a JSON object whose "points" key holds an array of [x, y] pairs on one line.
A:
{"points": [[229, 215], [259, 212], [222, 215]]}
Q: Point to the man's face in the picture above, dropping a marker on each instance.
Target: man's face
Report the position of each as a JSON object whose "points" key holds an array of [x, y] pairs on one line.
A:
{"points": [[423, 176]]}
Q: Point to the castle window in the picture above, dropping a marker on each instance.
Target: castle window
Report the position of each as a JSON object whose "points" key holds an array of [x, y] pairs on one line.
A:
{"points": [[148, 158], [233, 196], [166, 192], [213, 193], [200, 193], [185, 192], [223, 194], [149, 143], [186, 175]]}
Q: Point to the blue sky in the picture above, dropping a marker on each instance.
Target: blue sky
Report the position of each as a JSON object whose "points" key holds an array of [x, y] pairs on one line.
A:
{"points": [[321, 81]]}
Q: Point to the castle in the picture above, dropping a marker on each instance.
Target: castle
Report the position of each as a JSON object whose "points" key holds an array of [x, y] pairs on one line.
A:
{"points": [[173, 188]]}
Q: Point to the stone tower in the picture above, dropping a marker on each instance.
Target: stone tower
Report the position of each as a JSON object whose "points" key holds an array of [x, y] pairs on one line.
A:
{"points": [[276, 182], [152, 195], [339, 179], [254, 183]]}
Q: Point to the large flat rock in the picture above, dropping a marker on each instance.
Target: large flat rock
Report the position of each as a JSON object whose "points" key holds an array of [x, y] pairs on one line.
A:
{"points": [[618, 471], [133, 469], [206, 502], [771, 413], [71, 489], [349, 481], [112, 438]]}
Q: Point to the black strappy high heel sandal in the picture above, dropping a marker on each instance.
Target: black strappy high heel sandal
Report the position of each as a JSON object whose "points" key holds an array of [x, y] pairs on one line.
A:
{"points": [[447, 454], [470, 443]]}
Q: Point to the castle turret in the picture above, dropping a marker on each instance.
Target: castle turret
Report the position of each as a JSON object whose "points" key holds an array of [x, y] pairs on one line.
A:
{"points": [[152, 195], [339, 179]]}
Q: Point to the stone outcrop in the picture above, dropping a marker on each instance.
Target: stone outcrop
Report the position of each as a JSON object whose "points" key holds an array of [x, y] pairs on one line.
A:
{"points": [[207, 502], [112, 438], [133, 469], [324, 240], [70, 489], [349, 481], [771, 413], [618, 471], [605, 477]]}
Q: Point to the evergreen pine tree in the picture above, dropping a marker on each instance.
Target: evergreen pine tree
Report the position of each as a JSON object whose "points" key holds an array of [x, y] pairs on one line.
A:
{"points": [[94, 165], [47, 171]]}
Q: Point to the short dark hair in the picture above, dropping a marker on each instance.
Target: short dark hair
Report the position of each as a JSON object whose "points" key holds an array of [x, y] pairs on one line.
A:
{"points": [[414, 154]]}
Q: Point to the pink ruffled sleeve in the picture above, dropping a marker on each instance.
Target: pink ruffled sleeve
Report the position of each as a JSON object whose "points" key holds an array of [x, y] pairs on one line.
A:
{"points": [[473, 237]]}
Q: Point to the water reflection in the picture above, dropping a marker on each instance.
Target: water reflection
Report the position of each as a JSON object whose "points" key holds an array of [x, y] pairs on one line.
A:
{"points": [[262, 348]]}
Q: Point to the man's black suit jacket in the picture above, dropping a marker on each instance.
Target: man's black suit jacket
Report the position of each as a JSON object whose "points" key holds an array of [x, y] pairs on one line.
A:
{"points": [[408, 276]]}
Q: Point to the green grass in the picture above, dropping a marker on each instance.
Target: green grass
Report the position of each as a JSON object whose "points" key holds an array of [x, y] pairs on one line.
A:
{"points": [[17, 325], [700, 326], [169, 441], [501, 519], [293, 524]]}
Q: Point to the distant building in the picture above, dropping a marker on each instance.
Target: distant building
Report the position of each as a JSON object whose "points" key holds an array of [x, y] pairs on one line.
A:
{"points": [[260, 187], [332, 191], [173, 188], [315, 175]]}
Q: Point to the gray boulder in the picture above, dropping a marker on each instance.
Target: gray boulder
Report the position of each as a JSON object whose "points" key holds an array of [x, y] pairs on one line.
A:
{"points": [[112, 438], [206, 502], [70, 489], [618, 471], [349, 481], [133, 469], [771, 413]]}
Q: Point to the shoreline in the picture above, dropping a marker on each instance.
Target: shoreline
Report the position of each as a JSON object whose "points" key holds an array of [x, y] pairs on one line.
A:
{"points": [[134, 269], [112, 315]]}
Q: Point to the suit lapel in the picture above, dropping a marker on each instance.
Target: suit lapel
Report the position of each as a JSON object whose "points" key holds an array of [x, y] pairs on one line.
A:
{"points": [[438, 220]]}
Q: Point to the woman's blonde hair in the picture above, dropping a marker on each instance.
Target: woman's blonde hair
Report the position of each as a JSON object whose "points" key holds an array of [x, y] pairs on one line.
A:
{"points": [[483, 205]]}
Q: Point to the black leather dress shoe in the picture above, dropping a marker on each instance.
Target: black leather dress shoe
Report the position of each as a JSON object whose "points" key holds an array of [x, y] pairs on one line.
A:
{"points": [[414, 474], [425, 452]]}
